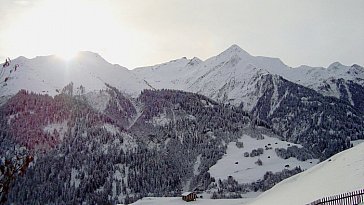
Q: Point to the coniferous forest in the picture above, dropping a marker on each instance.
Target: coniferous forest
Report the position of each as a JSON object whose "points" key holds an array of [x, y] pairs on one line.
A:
{"points": [[147, 146]]}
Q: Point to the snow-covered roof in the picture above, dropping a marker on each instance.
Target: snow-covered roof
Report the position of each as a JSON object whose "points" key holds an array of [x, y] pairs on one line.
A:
{"points": [[186, 193]]}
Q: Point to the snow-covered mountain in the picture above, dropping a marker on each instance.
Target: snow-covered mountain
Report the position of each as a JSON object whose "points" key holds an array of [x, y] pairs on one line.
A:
{"points": [[324, 79], [263, 86], [228, 77], [233, 75], [50, 74]]}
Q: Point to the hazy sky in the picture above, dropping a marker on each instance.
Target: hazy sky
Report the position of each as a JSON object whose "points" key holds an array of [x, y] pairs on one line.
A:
{"points": [[137, 33]]}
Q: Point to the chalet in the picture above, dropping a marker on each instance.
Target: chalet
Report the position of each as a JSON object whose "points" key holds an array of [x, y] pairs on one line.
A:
{"points": [[189, 196]]}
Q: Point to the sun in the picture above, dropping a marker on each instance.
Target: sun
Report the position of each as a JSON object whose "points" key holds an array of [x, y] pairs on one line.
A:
{"points": [[62, 28]]}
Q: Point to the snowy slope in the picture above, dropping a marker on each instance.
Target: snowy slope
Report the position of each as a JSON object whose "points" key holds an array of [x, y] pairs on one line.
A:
{"points": [[169, 75], [229, 77], [340, 174], [246, 171], [47, 74], [344, 172]]}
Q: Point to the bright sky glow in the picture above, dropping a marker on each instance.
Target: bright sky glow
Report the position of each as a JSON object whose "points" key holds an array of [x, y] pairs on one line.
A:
{"points": [[137, 33]]}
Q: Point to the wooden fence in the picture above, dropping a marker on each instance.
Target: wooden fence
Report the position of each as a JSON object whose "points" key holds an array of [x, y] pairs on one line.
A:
{"points": [[351, 198]]}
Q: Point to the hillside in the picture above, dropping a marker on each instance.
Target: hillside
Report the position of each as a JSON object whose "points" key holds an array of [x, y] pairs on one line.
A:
{"points": [[340, 174], [159, 144], [344, 169]]}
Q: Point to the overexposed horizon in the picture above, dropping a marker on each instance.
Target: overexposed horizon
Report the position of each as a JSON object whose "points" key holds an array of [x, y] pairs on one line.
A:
{"points": [[141, 33]]}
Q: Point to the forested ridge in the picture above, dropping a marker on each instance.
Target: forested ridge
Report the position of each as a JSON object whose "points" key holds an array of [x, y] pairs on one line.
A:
{"points": [[148, 146]]}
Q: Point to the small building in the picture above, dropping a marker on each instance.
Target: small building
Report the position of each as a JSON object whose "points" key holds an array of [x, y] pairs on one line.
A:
{"points": [[189, 196]]}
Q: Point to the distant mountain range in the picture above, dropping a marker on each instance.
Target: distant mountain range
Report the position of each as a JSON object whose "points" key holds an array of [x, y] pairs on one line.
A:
{"points": [[100, 133], [229, 77]]}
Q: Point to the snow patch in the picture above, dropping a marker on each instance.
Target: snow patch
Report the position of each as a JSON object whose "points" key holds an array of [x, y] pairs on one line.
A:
{"points": [[274, 103], [349, 94], [167, 141], [74, 181], [206, 104], [129, 142], [197, 165], [98, 100], [160, 120], [139, 113], [11, 117], [61, 128], [190, 117], [111, 128]]}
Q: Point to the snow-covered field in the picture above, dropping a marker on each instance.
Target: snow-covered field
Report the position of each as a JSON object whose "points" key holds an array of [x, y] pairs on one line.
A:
{"points": [[244, 169], [344, 172]]}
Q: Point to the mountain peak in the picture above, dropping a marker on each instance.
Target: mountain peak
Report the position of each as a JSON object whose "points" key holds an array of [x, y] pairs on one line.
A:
{"points": [[89, 54], [194, 61], [21, 58], [335, 65], [234, 47], [90, 57], [234, 50]]}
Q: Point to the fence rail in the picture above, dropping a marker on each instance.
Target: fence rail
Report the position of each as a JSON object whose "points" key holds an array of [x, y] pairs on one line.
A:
{"points": [[350, 198]]}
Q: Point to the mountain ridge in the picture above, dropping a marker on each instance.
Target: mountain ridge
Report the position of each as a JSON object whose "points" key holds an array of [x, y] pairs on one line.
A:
{"points": [[228, 77], [232, 50]]}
